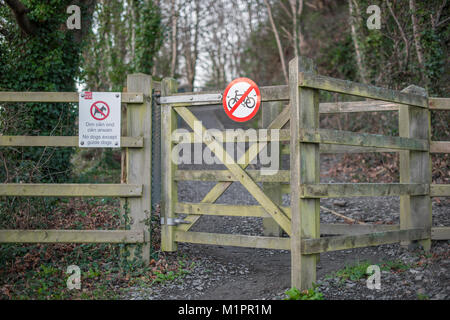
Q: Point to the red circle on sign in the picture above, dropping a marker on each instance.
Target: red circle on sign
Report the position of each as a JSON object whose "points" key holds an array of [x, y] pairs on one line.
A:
{"points": [[104, 112], [243, 97]]}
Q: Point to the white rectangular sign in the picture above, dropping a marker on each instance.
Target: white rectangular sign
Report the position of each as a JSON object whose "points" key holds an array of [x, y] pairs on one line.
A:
{"points": [[99, 119]]}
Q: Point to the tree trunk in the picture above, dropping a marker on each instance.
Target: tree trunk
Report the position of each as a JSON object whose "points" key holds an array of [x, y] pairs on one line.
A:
{"points": [[417, 40], [277, 38], [359, 55], [174, 18]]}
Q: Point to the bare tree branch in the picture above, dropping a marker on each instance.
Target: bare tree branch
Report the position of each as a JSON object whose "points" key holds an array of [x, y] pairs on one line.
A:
{"points": [[277, 38], [20, 12], [174, 43], [402, 33]]}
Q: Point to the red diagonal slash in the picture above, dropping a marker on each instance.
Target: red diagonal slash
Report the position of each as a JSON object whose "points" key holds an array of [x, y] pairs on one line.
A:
{"points": [[236, 105], [95, 106]]}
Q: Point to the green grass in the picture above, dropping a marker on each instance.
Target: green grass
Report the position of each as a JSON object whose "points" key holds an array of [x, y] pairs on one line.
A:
{"points": [[358, 270], [422, 296], [311, 294]]}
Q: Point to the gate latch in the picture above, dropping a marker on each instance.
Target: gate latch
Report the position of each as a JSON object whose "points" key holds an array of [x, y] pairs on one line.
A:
{"points": [[174, 221]]}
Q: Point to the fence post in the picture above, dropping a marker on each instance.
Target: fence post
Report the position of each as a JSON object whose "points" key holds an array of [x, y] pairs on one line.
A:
{"points": [[169, 187], [123, 159], [139, 159], [270, 111], [305, 168], [415, 167]]}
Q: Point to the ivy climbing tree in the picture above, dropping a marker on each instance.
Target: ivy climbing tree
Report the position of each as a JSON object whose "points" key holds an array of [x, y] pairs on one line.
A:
{"points": [[39, 53]]}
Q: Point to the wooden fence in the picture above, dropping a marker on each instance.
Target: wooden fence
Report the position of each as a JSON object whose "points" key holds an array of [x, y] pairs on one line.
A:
{"points": [[301, 220], [134, 190]]}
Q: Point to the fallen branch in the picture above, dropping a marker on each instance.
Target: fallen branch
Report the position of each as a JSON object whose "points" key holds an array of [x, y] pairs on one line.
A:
{"points": [[342, 216]]}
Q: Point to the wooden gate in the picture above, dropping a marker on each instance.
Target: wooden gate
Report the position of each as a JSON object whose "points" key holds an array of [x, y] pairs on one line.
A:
{"points": [[301, 220]]}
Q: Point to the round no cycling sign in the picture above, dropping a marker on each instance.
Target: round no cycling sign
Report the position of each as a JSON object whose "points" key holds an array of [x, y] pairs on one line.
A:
{"points": [[241, 99]]}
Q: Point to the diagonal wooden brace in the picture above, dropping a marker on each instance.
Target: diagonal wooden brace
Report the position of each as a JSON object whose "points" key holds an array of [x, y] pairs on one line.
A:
{"points": [[241, 175], [222, 186]]}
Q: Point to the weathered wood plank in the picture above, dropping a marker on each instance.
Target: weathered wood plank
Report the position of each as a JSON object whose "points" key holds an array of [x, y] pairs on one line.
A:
{"points": [[440, 190], [415, 167], [60, 141], [123, 164], [337, 190], [139, 161], [361, 90], [305, 168], [73, 97], [233, 240], [357, 106], [439, 103], [70, 190], [385, 234], [225, 209], [326, 244], [208, 98], [340, 148], [270, 111], [355, 229], [169, 196], [246, 136], [440, 233], [362, 139], [71, 236], [225, 175], [437, 233], [440, 147]]}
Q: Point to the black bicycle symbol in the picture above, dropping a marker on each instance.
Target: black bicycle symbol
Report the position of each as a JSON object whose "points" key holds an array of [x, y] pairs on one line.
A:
{"points": [[249, 102]]}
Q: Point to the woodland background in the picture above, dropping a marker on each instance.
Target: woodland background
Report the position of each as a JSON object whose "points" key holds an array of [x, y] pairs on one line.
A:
{"points": [[204, 44]]}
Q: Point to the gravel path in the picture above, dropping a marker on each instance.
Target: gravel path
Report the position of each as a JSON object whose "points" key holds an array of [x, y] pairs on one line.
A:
{"points": [[245, 273]]}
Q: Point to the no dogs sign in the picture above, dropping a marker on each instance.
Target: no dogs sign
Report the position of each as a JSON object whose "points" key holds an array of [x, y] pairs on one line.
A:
{"points": [[241, 99], [99, 119]]}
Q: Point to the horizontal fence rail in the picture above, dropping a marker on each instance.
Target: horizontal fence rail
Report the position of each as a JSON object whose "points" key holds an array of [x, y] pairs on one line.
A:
{"points": [[435, 147], [60, 141], [361, 139], [338, 190], [233, 240], [360, 90], [313, 246], [70, 190], [71, 236], [439, 103], [56, 97], [271, 93], [440, 190], [225, 210], [225, 175], [440, 147]]}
